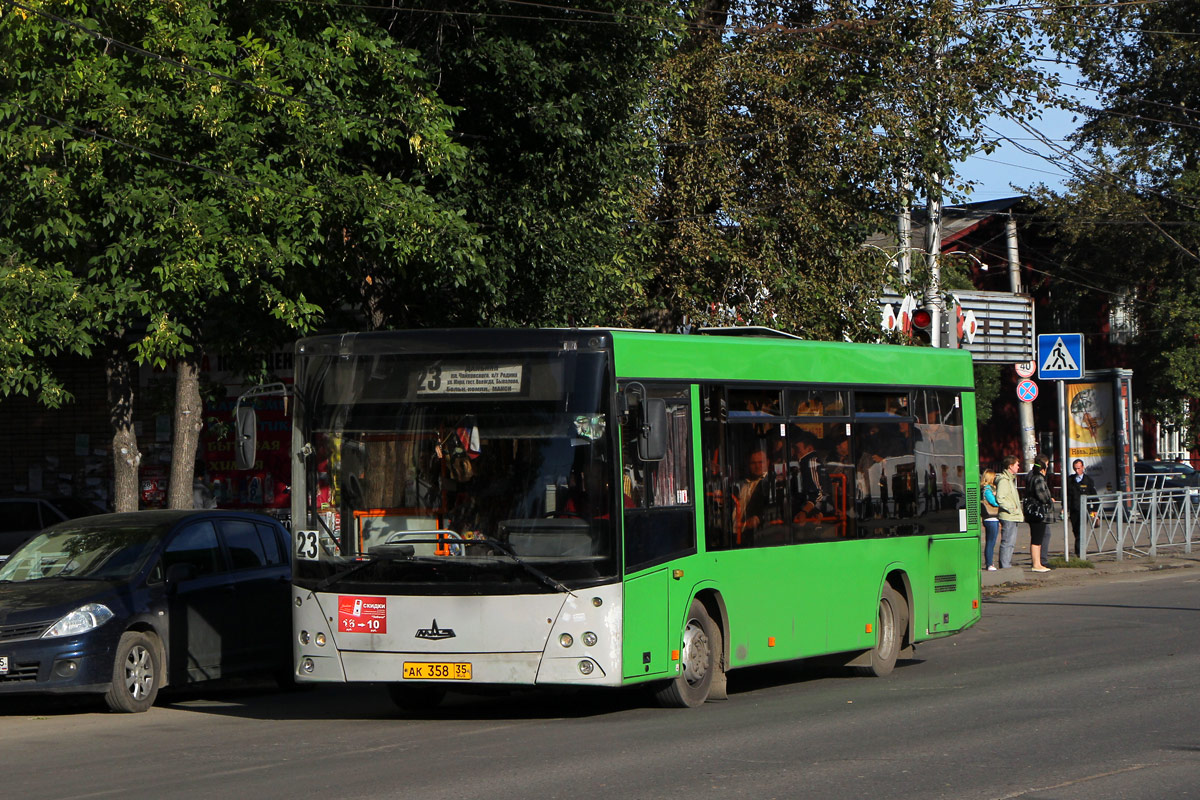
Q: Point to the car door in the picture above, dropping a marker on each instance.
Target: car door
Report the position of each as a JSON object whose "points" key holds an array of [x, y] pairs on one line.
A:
{"points": [[202, 602], [260, 574]]}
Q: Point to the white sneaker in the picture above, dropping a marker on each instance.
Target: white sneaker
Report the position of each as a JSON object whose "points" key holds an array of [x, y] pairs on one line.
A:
{"points": [[991, 568]]}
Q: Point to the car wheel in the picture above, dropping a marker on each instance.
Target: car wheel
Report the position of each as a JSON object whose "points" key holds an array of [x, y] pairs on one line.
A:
{"points": [[137, 673]]}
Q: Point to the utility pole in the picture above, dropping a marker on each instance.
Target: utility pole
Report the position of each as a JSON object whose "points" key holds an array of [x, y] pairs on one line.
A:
{"points": [[933, 249], [1028, 434], [904, 226]]}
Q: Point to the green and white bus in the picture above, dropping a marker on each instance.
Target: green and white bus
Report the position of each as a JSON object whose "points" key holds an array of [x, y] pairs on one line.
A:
{"points": [[602, 507]]}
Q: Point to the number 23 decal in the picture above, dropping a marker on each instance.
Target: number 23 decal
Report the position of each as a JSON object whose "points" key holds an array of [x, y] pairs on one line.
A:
{"points": [[430, 378], [306, 545]]}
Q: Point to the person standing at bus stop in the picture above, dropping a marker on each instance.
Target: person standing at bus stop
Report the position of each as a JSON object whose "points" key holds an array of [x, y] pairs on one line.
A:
{"points": [[1008, 499], [991, 518], [1039, 527], [1078, 485]]}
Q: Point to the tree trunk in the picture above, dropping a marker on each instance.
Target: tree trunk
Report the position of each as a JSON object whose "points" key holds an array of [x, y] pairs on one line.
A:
{"points": [[120, 411], [189, 420]]}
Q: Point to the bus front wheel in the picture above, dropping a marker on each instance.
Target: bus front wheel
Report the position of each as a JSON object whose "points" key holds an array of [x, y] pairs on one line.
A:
{"points": [[698, 658], [890, 629]]}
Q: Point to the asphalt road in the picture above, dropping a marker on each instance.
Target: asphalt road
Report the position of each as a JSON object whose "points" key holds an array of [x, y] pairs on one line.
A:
{"points": [[1085, 691]]}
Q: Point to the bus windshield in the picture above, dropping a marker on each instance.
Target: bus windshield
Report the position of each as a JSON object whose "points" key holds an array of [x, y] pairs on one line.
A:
{"points": [[488, 473]]}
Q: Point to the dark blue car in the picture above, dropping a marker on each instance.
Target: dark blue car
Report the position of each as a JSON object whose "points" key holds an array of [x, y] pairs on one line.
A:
{"points": [[124, 604]]}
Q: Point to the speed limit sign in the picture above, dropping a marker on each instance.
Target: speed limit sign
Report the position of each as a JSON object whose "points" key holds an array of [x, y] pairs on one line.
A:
{"points": [[1026, 368]]}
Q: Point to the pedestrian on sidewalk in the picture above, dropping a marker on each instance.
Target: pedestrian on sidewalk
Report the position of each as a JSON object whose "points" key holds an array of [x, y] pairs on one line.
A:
{"points": [[1008, 500], [991, 517], [1038, 506], [1078, 485]]}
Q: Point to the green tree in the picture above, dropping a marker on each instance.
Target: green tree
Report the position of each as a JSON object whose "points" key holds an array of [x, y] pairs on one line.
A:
{"points": [[790, 131], [551, 106], [1128, 225], [213, 172]]}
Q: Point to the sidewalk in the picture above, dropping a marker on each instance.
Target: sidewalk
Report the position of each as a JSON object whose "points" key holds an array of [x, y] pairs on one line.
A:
{"points": [[1020, 573]]}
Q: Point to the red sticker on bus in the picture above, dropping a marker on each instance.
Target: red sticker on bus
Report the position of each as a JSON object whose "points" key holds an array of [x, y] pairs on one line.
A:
{"points": [[362, 614]]}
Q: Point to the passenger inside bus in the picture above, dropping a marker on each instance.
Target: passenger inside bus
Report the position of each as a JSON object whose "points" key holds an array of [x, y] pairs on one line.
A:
{"points": [[757, 498]]}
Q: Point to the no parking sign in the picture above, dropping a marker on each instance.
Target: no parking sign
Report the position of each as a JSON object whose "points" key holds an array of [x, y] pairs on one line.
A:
{"points": [[1027, 391]]}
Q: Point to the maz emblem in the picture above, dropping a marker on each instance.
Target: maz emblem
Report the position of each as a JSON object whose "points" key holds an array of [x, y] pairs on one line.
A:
{"points": [[434, 632]]}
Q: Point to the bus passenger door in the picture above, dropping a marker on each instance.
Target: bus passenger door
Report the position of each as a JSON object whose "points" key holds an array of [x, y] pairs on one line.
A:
{"points": [[645, 628], [659, 527]]}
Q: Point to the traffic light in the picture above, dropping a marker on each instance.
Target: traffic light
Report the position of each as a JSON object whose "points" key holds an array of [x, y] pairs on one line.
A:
{"points": [[922, 324]]}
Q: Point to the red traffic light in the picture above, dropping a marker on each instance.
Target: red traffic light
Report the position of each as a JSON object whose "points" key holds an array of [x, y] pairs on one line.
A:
{"points": [[922, 318]]}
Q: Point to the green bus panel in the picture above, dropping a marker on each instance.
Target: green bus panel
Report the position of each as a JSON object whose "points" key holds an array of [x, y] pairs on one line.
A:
{"points": [[802, 600], [647, 631], [954, 566], [715, 358]]}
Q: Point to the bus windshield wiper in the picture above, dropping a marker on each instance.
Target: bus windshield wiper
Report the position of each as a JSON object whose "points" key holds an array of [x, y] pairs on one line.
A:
{"points": [[346, 573], [532, 570]]}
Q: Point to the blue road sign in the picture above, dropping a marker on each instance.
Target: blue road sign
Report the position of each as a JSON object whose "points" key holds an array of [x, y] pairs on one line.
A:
{"points": [[1060, 356], [1027, 391]]}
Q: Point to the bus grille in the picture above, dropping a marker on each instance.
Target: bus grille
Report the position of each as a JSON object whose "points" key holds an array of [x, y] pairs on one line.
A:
{"points": [[945, 583], [972, 505]]}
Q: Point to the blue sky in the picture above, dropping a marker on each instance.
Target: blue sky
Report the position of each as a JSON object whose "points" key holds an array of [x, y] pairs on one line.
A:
{"points": [[1008, 165]]}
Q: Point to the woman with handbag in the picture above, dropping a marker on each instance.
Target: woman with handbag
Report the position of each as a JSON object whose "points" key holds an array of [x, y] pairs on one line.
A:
{"points": [[1038, 503], [1009, 502], [991, 517]]}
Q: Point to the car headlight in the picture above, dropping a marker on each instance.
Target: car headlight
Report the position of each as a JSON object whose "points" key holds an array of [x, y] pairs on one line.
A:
{"points": [[81, 620]]}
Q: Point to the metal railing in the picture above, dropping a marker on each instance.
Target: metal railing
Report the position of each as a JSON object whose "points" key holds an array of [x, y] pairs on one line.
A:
{"points": [[1138, 523]]}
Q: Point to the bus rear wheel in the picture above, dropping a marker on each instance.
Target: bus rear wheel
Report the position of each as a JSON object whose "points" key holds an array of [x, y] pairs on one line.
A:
{"points": [[697, 661], [889, 634], [416, 696]]}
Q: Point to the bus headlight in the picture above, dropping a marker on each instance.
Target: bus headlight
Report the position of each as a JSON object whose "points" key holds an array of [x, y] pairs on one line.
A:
{"points": [[304, 637], [590, 639], [307, 666], [320, 639], [566, 640], [586, 667]]}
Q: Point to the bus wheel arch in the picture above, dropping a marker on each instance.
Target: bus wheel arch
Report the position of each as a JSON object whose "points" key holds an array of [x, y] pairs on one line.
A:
{"points": [[898, 580], [891, 626], [699, 660], [715, 603]]}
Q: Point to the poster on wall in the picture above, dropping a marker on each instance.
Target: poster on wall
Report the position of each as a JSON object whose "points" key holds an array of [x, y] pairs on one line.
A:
{"points": [[1099, 414], [1091, 431]]}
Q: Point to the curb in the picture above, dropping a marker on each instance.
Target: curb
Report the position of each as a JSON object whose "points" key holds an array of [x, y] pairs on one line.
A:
{"points": [[1020, 577]]}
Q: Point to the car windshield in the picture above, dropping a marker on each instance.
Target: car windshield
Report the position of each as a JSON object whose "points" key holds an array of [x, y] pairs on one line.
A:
{"points": [[80, 551]]}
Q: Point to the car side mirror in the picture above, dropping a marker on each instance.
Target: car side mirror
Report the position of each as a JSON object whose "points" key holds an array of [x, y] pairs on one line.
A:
{"points": [[178, 573], [245, 446]]}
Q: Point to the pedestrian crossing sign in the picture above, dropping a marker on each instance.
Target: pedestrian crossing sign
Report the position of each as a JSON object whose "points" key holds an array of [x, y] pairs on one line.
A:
{"points": [[1060, 356]]}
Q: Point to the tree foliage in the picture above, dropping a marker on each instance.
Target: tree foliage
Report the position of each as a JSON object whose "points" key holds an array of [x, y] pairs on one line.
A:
{"points": [[208, 172], [550, 106], [1129, 223], [790, 131]]}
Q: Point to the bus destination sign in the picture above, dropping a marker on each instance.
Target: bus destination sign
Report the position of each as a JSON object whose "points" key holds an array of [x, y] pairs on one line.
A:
{"points": [[444, 379]]}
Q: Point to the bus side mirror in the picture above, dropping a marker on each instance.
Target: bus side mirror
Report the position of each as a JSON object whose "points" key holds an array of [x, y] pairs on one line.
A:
{"points": [[652, 438], [245, 444]]}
